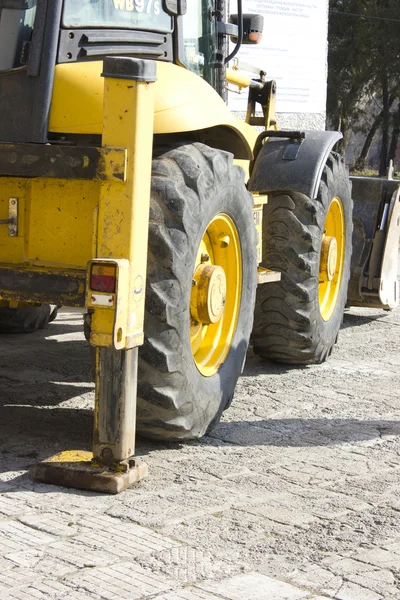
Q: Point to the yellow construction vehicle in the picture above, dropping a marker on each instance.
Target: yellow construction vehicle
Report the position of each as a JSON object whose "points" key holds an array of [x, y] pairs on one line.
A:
{"points": [[127, 187]]}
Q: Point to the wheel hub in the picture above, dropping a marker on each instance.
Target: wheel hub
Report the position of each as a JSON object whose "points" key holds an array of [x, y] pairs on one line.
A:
{"points": [[329, 257], [208, 298]]}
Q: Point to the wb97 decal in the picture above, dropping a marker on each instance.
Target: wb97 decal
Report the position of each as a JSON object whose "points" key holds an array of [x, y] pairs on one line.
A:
{"points": [[149, 7]]}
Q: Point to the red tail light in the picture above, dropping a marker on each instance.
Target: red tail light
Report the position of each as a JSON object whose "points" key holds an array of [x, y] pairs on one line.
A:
{"points": [[103, 278]]}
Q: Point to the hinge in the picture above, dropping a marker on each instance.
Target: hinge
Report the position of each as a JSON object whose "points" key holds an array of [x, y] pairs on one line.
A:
{"points": [[12, 220]]}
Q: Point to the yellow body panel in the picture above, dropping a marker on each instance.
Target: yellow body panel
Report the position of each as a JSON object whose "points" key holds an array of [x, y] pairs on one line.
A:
{"points": [[183, 102], [65, 223], [55, 225], [60, 222]]}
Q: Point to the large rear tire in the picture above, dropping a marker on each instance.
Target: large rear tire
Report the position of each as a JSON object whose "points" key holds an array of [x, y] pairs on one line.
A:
{"points": [[297, 320], [201, 227]]}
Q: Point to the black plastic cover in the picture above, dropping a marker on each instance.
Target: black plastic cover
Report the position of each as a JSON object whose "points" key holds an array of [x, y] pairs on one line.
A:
{"points": [[252, 23], [136, 69], [272, 172], [175, 7], [86, 44]]}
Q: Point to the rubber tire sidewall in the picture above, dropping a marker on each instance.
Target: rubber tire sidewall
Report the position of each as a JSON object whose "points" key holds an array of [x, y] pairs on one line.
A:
{"points": [[288, 325], [339, 187], [210, 389], [199, 400]]}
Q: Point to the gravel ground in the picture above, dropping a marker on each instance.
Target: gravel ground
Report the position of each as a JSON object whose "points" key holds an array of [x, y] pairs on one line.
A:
{"points": [[295, 495]]}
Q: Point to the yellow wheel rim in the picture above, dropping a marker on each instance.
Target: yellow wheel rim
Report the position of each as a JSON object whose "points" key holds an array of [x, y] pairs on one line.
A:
{"points": [[216, 293], [332, 259]]}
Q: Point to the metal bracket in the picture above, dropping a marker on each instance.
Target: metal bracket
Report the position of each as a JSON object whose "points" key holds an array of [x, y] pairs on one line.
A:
{"points": [[243, 66], [292, 150], [263, 93], [227, 29], [63, 162], [296, 139], [12, 220]]}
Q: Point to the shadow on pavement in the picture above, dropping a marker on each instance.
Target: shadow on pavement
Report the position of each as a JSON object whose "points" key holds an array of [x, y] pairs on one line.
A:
{"points": [[301, 432], [355, 320], [38, 378], [255, 365], [45, 396]]}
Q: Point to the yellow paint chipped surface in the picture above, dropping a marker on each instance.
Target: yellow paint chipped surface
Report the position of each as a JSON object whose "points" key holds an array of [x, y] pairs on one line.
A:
{"points": [[71, 456]]}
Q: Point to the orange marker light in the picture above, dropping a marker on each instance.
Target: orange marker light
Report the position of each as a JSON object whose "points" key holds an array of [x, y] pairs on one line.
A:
{"points": [[255, 37]]}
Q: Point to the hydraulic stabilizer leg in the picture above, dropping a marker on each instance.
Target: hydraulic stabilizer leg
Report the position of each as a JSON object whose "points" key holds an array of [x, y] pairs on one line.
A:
{"points": [[115, 418], [111, 467], [116, 283]]}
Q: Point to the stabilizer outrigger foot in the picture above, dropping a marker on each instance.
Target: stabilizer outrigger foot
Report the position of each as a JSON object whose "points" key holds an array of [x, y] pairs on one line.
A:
{"points": [[78, 469]]}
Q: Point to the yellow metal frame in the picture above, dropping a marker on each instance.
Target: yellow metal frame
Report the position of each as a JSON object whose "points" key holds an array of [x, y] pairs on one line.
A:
{"points": [[58, 224], [123, 217]]}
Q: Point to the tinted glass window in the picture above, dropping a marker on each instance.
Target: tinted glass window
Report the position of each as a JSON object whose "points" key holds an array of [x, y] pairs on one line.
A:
{"points": [[200, 39], [16, 28], [124, 14]]}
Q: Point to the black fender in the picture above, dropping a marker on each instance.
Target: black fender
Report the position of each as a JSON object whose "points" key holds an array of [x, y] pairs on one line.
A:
{"points": [[292, 164]]}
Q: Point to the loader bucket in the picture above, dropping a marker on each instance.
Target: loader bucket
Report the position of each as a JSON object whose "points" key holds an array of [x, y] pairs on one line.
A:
{"points": [[376, 220]]}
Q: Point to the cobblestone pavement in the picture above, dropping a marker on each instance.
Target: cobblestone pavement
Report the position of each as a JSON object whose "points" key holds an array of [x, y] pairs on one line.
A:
{"points": [[294, 496]]}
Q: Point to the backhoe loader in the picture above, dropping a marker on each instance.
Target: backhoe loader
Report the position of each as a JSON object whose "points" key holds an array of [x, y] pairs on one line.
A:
{"points": [[128, 188]]}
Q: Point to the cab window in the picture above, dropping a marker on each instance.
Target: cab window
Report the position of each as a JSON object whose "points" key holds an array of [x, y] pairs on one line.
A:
{"points": [[199, 39], [16, 26], [123, 14]]}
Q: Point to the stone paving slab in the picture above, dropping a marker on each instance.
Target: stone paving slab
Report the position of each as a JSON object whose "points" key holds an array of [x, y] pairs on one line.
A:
{"points": [[254, 586], [188, 594], [124, 580], [294, 496]]}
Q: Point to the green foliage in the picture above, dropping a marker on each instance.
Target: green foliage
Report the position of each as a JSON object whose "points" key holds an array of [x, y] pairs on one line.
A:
{"points": [[364, 68]]}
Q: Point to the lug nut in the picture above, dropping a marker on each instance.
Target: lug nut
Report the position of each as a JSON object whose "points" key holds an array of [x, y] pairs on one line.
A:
{"points": [[205, 257]]}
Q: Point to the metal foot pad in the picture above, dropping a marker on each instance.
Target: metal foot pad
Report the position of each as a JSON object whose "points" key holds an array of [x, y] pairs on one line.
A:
{"points": [[76, 469]]}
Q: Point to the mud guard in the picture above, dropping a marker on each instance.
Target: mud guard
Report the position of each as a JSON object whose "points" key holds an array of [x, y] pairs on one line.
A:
{"points": [[376, 219], [293, 165]]}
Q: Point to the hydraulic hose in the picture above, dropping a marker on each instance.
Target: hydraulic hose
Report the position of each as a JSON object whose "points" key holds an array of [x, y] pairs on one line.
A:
{"points": [[240, 33]]}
